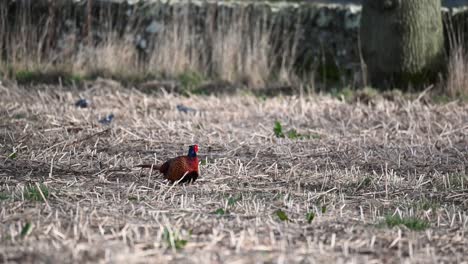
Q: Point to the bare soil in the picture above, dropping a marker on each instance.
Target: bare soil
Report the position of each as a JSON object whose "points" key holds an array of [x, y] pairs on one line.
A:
{"points": [[350, 165]]}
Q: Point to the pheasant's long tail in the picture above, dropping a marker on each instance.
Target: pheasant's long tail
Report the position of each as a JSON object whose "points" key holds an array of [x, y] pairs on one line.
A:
{"points": [[149, 166]]}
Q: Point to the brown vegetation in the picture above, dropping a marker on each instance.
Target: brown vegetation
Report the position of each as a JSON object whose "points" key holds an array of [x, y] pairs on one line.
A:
{"points": [[332, 182]]}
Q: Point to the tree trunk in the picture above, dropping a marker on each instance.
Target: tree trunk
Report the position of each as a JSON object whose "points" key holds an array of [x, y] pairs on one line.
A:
{"points": [[402, 42]]}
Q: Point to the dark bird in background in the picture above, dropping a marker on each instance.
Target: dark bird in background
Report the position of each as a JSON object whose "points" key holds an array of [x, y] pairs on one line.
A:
{"points": [[82, 103], [179, 169], [185, 109], [106, 120]]}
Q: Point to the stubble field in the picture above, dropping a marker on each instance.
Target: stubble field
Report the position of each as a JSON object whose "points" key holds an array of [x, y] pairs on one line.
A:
{"points": [[377, 182]]}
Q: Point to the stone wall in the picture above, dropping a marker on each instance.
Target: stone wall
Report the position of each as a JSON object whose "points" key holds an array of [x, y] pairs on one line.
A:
{"points": [[324, 36]]}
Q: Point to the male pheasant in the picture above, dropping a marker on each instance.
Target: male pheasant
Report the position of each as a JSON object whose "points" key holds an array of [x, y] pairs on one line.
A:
{"points": [[181, 168]]}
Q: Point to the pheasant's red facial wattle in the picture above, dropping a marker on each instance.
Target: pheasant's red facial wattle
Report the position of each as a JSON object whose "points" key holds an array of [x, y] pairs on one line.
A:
{"points": [[195, 147]]}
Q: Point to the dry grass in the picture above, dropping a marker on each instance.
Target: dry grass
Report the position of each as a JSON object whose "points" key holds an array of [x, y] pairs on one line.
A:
{"points": [[69, 192], [235, 47], [457, 79], [456, 83]]}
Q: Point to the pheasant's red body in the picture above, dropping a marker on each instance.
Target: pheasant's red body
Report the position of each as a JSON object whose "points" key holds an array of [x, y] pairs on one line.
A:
{"points": [[176, 168], [182, 168]]}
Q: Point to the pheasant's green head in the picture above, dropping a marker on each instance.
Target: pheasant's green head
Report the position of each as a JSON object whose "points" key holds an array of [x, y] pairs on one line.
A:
{"points": [[192, 152]]}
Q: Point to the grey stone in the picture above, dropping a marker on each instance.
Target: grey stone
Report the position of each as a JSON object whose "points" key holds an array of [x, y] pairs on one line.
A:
{"points": [[154, 27]]}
